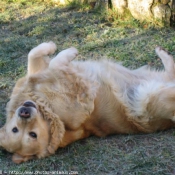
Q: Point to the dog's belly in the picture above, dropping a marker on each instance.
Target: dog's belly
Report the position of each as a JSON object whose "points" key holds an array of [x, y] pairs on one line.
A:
{"points": [[109, 116], [120, 108], [112, 115]]}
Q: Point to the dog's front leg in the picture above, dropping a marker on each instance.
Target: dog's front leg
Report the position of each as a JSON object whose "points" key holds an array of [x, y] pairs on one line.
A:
{"points": [[74, 135], [63, 58], [38, 58]]}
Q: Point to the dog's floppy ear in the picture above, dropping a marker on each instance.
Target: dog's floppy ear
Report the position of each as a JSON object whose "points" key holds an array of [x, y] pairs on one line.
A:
{"points": [[57, 129]]}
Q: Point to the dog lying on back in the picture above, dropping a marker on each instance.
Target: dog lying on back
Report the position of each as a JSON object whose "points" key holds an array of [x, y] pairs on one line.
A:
{"points": [[60, 101]]}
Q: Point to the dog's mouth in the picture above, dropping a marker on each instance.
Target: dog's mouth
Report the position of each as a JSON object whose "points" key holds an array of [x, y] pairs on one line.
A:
{"points": [[29, 104]]}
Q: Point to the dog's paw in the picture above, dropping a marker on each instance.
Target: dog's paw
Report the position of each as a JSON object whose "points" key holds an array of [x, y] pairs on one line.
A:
{"points": [[43, 49], [52, 46], [162, 53], [167, 60], [63, 58], [48, 48], [158, 49], [72, 52]]}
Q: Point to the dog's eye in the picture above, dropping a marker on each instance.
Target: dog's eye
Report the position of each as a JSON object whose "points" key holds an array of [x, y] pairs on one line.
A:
{"points": [[15, 129], [32, 134]]}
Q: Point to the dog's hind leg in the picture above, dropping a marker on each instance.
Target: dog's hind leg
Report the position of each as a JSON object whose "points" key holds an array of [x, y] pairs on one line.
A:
{"points": [[161, 103], [63, 58], [38, 57], [153, 107], [167, 61]]}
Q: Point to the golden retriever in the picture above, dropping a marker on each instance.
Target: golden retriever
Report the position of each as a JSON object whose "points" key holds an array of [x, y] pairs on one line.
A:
{"points": [[60, 101]]}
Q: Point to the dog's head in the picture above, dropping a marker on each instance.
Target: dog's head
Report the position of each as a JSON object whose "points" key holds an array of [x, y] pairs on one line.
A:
{"points": [[33, 127], [29, 133]]}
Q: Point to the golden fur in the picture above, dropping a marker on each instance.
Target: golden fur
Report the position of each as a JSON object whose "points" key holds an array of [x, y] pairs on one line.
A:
{"points": [[60, 101]]}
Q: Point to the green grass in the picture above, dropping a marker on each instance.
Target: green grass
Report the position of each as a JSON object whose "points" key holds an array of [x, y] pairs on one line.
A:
{"points": [[24, 25]]}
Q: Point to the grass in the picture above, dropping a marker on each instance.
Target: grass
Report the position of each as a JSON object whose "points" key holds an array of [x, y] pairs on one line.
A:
{"points": [[24, 25]]}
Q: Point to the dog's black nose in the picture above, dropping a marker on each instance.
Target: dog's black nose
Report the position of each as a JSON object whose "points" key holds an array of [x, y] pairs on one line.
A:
{"points": [[24, 112], [29, 104]]}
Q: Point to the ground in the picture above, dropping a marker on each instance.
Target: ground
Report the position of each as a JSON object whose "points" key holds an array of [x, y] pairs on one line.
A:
{"points": [[24, 25]]}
